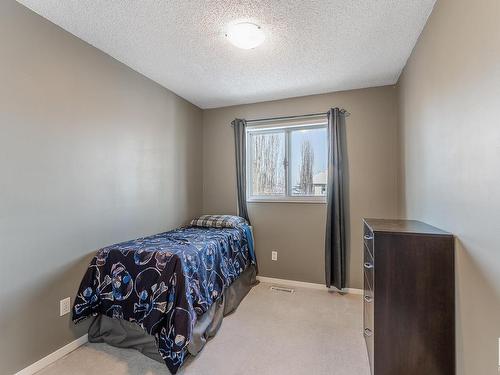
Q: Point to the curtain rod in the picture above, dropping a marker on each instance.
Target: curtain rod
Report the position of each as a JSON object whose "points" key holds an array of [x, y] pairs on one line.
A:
{"points": [[297, 116]]}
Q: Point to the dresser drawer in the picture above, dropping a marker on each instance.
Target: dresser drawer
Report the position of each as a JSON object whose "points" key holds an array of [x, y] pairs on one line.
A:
{"points": [[368, 266], [368, 326], [369, 349], [368, 238], [368, 301], [367, 290]]}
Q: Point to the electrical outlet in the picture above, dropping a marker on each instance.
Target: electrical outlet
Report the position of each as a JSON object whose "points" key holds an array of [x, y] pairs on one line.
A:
{"points": [[64, 306], [274, 255]]}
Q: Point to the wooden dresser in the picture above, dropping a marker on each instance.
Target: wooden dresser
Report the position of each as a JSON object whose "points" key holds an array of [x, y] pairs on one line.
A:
{"points": [[409, 298]]}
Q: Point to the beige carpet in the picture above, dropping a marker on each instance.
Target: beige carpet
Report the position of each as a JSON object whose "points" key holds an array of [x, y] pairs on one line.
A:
{"points": [[307, 332]]}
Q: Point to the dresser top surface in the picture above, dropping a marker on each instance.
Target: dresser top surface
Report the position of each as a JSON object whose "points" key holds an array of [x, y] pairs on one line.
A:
{"points": [[403, 226]]}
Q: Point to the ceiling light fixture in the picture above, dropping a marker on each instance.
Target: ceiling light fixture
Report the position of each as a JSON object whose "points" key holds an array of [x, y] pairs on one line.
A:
{"points": [[245, 35]]}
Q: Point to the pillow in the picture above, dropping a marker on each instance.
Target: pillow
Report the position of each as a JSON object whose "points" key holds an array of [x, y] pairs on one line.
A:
{"points": [[218, 221]]}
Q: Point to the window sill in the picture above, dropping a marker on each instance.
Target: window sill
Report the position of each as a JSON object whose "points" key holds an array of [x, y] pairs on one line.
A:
{"points": [[307, 201]]}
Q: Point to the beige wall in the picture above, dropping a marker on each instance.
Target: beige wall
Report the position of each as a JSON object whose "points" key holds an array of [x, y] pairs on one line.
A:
{"points": [[297, 230], [450, 117], [91, 153]]}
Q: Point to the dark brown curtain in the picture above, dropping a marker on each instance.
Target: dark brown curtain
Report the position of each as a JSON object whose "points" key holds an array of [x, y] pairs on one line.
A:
{"points": [[240, 142], [335, 239]]}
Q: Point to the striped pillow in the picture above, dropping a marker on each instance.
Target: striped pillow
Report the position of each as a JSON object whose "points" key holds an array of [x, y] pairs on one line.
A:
{"points": [[218, 221]]}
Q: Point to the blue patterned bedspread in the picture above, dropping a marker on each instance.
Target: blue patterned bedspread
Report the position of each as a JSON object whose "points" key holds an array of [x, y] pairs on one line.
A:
{"points": [[163, 282]]}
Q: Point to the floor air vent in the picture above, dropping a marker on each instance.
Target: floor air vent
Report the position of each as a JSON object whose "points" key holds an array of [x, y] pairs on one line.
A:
{"points": [[282, 289]]}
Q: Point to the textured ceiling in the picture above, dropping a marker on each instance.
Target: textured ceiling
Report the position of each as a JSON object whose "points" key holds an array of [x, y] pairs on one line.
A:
{"points": [[311, 47]]}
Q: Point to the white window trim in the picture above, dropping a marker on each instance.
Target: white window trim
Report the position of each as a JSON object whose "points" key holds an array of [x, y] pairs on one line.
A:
{"points": [[287, 197]]}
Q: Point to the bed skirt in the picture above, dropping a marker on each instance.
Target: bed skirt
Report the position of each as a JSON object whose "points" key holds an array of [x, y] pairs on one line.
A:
{"points": [[124, 334]]}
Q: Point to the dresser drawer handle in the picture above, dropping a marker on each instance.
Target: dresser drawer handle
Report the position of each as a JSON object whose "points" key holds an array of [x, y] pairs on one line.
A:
{"points": [[368, 237], [368, 332], [368, 266], [368, 299]]}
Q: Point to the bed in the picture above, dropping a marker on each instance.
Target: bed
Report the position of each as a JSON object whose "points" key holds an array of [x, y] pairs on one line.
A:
{"points": [[166, 294]]}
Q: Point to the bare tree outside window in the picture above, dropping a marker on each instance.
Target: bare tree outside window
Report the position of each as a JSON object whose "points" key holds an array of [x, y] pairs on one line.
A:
{"points": [[268, 172], [305, 185], [308, 166]]}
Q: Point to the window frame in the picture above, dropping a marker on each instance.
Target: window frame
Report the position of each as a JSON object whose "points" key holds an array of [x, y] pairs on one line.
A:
{"points": [[287, 197]]}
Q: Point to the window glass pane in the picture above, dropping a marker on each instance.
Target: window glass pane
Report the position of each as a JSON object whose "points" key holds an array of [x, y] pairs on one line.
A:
{"points": [[267, 167], [308, 167]]}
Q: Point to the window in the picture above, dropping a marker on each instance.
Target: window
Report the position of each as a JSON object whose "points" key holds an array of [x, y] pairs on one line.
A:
{"points": [[287, 161]]}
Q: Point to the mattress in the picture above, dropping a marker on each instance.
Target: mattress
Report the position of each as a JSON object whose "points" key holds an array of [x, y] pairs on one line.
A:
{"points": [[164, 283]]}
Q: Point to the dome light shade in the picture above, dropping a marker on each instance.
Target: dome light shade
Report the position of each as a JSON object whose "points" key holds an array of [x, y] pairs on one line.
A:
{"points": [[245, 35]]}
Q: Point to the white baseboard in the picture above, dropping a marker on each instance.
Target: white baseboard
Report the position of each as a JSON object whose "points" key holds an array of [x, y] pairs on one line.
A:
{"points": [[349, 290], [52, 357], [302, 284]]}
